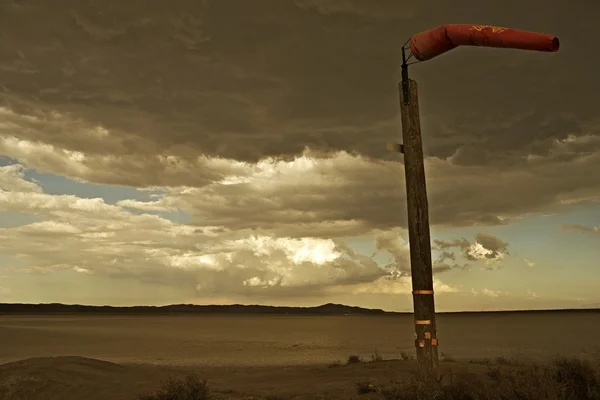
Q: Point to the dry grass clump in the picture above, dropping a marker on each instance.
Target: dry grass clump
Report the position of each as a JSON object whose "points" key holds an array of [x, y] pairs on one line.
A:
{"points": [[376, 356], [353, 359], [565, 379], [364, 387], [189, 388]]}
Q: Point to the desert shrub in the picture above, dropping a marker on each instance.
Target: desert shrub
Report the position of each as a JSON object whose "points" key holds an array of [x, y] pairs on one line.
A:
{"points": [[446, 357], [431, 388], [494, 372], [189, 388], [502, 360], [405, 356], [483, 361], [335, 364], [376, 356], [364, 387], [353, 359], [565, 379], [577, 378], [532, 383]]}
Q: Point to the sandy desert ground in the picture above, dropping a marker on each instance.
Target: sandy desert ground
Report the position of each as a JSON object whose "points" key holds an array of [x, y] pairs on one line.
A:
{"points": [[78, 378], [106, 358]]}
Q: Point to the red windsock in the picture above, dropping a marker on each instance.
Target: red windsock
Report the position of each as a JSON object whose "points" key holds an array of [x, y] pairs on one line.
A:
{"points": [[429, 44]]}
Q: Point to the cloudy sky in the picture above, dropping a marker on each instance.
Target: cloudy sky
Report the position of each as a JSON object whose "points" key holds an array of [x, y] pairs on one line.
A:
{"points": [[225, 151]]}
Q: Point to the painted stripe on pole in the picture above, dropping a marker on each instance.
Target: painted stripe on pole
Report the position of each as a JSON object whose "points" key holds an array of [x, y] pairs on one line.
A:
{"points": [[422, 322], [423, 291]]}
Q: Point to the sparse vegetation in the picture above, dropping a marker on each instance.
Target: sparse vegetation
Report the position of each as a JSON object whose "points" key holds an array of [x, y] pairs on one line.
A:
{"points": [[376, 356], [334, 364], [189, 388], [493, 372], [353, 359], [405, 356], [484, 361], [565, 379], [502, 360], [446, 357], [364, 387]]}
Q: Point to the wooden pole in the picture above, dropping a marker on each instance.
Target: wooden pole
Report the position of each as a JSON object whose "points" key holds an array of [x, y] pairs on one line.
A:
{"points": [[418, 229]]}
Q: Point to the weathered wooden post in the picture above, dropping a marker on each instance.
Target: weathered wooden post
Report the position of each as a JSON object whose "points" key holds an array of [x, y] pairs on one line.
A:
{"points": [[418, 224]]}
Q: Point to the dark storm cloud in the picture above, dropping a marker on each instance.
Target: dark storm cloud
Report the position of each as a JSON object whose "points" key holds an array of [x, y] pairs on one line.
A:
{"points": [[246, 79], [484, 247], [345, 195], [493, 244], [446, 261], [509, 132], [531, 134], [382, 9]]}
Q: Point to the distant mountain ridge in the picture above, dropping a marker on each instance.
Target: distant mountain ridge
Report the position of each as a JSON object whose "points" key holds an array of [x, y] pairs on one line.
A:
{"points": [[233, 309], [325, 309]]}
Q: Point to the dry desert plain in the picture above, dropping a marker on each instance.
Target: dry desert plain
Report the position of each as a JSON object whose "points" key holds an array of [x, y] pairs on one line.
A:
{"points": [[90, 357]]}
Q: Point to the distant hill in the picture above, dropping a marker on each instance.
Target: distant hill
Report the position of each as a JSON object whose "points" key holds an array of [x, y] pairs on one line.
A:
{"points": [[326, 309], [234, 309]]}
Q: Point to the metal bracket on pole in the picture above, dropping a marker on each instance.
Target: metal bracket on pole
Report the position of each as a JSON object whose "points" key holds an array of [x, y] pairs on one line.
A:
{"points": [[395, 147], [405, 90]]}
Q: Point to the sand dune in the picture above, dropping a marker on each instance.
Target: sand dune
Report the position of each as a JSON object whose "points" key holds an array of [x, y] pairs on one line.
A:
{"points": [[65, 378]]}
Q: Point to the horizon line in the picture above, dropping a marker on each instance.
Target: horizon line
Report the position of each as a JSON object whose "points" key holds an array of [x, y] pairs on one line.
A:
{"points": [[587, 309]]}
